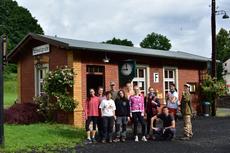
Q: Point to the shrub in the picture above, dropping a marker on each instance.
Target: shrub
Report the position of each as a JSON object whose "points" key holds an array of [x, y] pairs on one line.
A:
{"points": [[25, 113], [58, 86], [46, 107]]}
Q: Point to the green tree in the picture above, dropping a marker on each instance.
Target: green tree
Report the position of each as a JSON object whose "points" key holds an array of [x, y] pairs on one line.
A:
{"points": [[16, 22], [223, 50], [156, 41], [118, 41]]}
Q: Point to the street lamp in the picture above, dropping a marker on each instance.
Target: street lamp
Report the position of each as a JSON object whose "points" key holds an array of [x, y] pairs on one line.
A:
{"points": [[3, 48], [213, 29]]}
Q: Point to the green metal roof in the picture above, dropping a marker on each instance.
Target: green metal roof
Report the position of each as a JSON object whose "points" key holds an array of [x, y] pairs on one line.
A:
{"points": [[128, 50], [96, 46]]}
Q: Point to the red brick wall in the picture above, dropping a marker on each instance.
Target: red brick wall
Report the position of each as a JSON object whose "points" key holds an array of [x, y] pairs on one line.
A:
{"points": [[57, 57], [27, 77]]}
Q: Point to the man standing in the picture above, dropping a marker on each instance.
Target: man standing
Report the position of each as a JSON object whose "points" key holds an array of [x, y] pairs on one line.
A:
{"points": [[169, 126], [113, 90], [186, 110]]}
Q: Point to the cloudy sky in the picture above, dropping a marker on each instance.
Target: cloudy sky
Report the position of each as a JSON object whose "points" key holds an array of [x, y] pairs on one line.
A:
{"points": [[185, 22]]}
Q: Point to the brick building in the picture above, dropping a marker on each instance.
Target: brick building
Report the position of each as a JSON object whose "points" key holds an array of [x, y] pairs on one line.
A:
{"points": [[96, 64]]}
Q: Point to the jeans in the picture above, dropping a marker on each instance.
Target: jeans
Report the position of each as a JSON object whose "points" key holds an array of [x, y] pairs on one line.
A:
{"points": [[167, 134], [138, 118], [100, 127], [121, 121], [108, 123]]}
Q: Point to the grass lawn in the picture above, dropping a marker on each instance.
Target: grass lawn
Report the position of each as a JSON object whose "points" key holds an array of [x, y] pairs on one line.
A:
{"points": [[41, 137], [10, 90]]}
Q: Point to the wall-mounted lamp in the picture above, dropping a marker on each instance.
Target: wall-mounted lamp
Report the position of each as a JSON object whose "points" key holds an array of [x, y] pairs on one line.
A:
{"points": [[106, 59], [38, 63]]}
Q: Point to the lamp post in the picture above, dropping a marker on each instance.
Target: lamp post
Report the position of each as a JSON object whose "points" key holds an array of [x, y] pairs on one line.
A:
{"points": [[213, 29], [3, 48]]}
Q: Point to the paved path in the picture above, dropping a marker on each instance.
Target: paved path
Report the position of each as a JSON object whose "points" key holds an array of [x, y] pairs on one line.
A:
{"points": [[211, 135]]}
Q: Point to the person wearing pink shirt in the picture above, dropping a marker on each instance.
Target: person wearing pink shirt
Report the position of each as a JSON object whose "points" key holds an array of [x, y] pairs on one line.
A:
{"points": [[137, 112], [92, 114]]}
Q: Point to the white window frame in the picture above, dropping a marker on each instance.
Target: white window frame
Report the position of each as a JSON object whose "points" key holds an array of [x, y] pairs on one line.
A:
{"points": [[168, 79], [146, 78], [37, 80]]}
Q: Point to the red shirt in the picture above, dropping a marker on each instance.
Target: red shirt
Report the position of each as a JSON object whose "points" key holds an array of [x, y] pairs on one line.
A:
{"points": [[92, 106]]}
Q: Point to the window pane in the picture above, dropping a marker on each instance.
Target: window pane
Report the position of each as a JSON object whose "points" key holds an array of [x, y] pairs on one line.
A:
{"points": [[41, 74], [171, 74], [141, 73], [166, 85], [171, 83], [135, 83], [166, 74], [141, 85]]}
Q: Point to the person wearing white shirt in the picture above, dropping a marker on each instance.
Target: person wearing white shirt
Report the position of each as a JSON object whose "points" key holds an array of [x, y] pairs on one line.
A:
{"points": [[108, 108]]}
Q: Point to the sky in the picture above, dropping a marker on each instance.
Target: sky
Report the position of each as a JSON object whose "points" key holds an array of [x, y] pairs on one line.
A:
{"points": [[186, 23]]}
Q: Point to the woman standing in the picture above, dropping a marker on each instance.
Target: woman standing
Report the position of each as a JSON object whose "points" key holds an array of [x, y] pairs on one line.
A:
{"points": [[108, 108], [152, 102], [137, 112], [122, 116], [91, 114], [172, 100]]}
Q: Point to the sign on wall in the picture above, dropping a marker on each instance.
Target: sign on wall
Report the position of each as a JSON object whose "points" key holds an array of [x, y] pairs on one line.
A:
{"points": [[41, 49], [156, 77]]}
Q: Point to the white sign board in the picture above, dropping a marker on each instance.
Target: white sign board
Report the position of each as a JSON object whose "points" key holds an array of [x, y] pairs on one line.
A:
{"points": [[155, 77], [41, 49]]}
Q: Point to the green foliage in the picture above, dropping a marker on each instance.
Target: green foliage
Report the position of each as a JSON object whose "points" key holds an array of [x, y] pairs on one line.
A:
{"points": [[118, 41], [212, 88], [156, 41], [46, 107], [58, 87], [58, 81], [10, 90], [223, 50], [16, 22], [65, 102], [41, 137]]}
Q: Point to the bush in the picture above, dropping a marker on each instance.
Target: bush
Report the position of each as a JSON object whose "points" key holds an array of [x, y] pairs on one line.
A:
{"points": [[46, 107], [25, 113]]}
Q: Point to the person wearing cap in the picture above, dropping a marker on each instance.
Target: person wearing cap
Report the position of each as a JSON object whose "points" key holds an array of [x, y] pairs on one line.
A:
{"points": [[186, 110], [113, 90]]}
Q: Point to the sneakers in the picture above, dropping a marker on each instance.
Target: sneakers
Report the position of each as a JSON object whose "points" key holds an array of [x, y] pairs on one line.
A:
{"points": [[116, 140], [93, 140], [103, 141], [122, 139], [136, 139], [88, 141], [144, 139]]}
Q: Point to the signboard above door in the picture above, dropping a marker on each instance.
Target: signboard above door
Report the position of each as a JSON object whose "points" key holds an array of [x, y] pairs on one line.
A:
{"points": [[41, 49]]}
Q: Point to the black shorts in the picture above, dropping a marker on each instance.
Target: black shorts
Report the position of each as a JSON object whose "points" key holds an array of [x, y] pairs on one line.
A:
{"points": [[90, 119]]}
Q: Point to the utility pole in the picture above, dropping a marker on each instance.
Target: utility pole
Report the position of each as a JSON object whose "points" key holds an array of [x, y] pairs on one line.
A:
{"points": [[213, 27], [3, 47]]}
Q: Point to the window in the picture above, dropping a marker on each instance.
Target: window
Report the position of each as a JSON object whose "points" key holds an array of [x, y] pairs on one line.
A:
{"points": [[141, 78], [40, 76], [94, 69], [169, 78]]}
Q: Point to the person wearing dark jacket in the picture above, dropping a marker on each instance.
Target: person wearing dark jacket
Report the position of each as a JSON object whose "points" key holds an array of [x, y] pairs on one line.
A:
{"points": [[122, 116], [152, 102]]}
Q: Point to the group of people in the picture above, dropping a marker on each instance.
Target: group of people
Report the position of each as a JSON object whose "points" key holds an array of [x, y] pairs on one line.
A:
{"points": [[128, 105]]}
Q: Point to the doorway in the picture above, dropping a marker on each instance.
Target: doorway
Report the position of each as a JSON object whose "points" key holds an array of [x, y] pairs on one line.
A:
{"points": [[94, 77]]}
